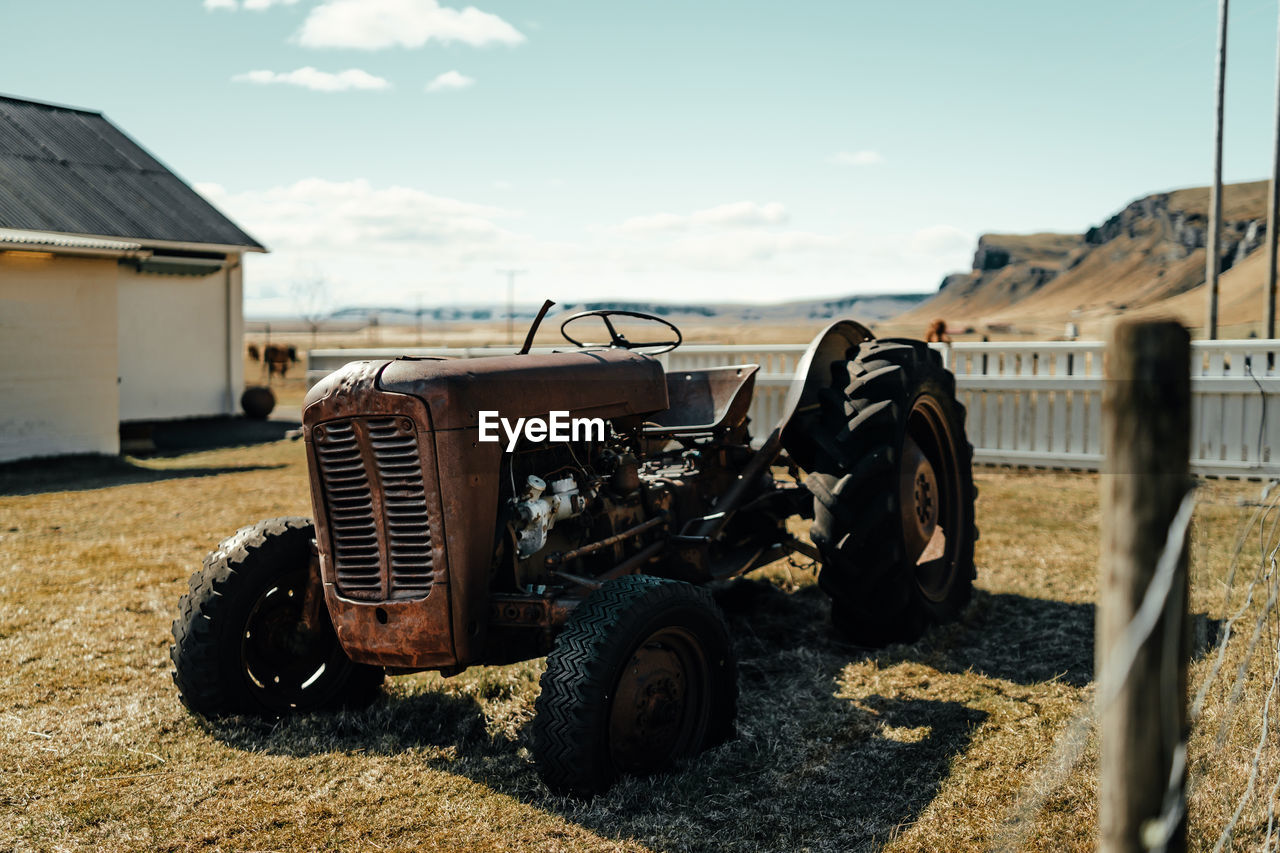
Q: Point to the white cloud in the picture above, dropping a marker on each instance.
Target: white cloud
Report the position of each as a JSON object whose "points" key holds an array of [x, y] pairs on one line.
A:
{"points": [[450, 81], [380, 244], [942, 240], [318, 81], [220, 4], [654, 222], [735, 250], [741, 214], [857, 158], [376, 24], [394, 245], [328, 215]]}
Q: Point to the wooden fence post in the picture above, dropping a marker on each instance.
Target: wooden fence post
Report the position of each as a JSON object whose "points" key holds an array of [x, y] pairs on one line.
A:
{"points": [[1146, 430]]}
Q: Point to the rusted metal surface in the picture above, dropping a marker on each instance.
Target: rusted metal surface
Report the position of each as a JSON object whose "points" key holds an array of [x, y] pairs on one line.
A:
{"points": [[520, 611], [313, 596], [635, 561], [403, 633], [804, 548], [530, 611], [375, 497], [615, 385], [829, 346], [559, 558], [441, 399], [579, 580], [407, 499], [706, 400], [608, 384]]}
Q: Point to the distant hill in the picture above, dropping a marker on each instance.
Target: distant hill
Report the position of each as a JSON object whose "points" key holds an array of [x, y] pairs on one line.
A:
{"points": [[868, 307], [1145, 259]]}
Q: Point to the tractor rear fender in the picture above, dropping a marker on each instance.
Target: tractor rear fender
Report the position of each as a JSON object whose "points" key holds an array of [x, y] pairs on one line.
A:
{"points": [[812, 374]]}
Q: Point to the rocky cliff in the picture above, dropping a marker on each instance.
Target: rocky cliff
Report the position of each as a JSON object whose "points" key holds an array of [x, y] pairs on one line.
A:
{"points": [[1146, 258]]}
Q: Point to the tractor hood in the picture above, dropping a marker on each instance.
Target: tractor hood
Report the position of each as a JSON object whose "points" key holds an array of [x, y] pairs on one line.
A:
{"points": [[598, 383], [413, 423]]}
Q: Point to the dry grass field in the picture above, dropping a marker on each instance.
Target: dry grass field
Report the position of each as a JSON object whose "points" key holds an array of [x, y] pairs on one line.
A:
{"points": [[920, 747]]}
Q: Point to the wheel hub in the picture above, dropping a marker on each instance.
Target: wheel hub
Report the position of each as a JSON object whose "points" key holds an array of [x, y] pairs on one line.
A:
{"points": [[277, 652], [919, 499], [656, 711]]}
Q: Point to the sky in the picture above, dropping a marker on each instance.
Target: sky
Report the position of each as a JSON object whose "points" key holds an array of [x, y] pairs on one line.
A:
{"points": [[402, 152]]}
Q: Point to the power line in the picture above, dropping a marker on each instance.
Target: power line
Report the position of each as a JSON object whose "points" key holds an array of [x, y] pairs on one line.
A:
{"points": [[511, 302]]}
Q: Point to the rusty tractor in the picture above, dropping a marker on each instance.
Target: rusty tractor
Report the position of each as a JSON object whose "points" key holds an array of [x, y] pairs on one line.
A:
{"points": [[432, 549]]}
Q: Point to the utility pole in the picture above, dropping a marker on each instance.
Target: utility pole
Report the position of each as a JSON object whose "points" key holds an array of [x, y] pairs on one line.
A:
{"points": [[1273, 211], [511, 301], [1211, 261], [419, 318]]}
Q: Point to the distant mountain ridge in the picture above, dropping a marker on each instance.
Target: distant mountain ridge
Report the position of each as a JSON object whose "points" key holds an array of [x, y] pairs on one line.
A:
{"points": [[872, 307], [1147, 258]]}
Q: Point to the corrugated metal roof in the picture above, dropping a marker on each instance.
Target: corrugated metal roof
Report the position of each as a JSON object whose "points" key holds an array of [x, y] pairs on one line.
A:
{"points": [[64, 241], [72, 171]]}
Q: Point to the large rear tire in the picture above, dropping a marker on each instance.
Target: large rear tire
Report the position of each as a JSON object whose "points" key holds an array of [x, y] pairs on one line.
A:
{"points": [[239, 642], [893, 493], [641, 677]]}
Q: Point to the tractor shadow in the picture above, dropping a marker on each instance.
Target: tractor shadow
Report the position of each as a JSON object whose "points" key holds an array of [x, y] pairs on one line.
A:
{"points": [[83, 473], [395, 724], [816, 764], [174, 438], [807, 769]]}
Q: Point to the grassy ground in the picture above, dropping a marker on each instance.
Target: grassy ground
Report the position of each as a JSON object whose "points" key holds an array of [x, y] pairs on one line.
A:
{"points": [[921, 747]]}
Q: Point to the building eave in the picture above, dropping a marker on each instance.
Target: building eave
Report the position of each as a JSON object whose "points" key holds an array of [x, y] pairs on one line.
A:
{"points": [[145, 243], [74, 251]]}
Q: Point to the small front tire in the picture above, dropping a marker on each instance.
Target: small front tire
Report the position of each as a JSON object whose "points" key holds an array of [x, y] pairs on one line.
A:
{"points": [[642, 676], [239, 643]]}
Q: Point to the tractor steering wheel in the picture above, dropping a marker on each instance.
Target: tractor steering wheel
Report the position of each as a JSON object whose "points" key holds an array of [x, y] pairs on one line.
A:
{"points": [[617, 339]]}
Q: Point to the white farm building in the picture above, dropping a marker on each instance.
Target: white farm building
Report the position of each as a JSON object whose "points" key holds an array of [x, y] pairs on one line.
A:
{"points": [[120, 287]]}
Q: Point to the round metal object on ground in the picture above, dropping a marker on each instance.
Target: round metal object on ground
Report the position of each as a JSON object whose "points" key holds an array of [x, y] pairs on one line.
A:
{"points": [[257, 401]]}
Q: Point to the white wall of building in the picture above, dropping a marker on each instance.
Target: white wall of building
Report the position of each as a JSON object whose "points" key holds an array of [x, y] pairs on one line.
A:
{"points": [[174, 358], [86, 343], [57, 356]]}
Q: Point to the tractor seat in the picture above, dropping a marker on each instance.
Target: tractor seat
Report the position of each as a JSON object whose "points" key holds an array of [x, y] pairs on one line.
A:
{"points": [[704, 400]]}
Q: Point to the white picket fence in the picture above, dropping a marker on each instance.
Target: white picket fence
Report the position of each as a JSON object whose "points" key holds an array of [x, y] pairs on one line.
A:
{"points": [[1030, 404]]}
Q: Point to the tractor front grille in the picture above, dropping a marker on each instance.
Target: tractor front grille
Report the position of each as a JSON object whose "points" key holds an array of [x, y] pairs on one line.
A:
{"points": [[376, 504]]}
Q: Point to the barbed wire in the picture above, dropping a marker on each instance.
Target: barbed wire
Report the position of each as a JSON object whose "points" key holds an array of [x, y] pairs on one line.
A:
{"points": [[1052, 775], [1261, 591], [1265, 622], [1069, 746]]}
